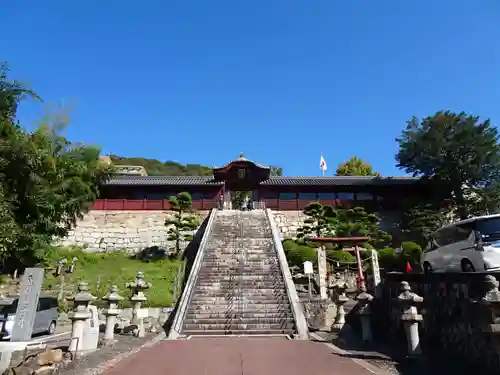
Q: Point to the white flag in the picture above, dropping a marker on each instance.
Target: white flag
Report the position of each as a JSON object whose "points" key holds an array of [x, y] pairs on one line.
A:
{"points": [[322, 163]]}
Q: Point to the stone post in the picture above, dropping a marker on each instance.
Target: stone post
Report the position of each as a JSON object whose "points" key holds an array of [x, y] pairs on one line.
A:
{"points": [[137, 298], [492, 300], [111, 313], [81, 313], [322, 268], [410, 317], [364, 311], [339, 297]]}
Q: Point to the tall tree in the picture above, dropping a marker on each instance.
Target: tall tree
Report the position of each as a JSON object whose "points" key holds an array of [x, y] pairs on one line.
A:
{"points": [[11, 93], [355, 167], [181, 221], [458, 150], [46, 181]]}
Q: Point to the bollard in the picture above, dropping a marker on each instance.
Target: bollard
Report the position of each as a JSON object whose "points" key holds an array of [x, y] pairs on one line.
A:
{"points": [[364, 311], [137, 298], [410, 317], [111, 313], [81, 313], [339, 288]]}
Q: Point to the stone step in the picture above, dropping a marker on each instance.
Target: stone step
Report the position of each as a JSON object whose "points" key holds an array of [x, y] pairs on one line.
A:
{"points": [[241, 256], [215, 278], [198, 306], [246, 271], [240, 326], [247, 314], [243, 332], [242, 285], [264, 261], [233, 295], [239, 299], [241, 320]]}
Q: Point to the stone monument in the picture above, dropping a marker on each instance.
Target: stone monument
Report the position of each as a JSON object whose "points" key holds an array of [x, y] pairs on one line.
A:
{"points": [[322, 273], [31, 286]]}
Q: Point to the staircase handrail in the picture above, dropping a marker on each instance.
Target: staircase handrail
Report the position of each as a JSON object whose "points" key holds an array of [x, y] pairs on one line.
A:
{"points": [[188, 291], [291, 291]]}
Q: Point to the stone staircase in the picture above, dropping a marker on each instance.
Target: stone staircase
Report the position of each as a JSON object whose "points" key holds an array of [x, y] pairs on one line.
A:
{"points": [[240, 288]]}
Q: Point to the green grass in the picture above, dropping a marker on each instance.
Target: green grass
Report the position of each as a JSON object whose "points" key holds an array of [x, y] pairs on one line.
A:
{"points": [[101, 270]]}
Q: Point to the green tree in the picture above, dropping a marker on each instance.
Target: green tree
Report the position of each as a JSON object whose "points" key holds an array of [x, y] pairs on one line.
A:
{"points": [[355, 167], [276, 171], [356, 222], [458, 150], [316, 223], [181, 221], [46, 184], [420, 221], [11, 94]]}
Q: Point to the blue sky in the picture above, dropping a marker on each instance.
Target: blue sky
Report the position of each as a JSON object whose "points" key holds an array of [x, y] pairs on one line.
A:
{"points": [[280, 80]]}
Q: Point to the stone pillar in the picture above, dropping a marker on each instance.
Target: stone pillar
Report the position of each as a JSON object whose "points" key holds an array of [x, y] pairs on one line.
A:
{"points": [[364, 311], [81, 313], [491, 299], [111, 313], [410, 317], [137, 298], [322, 270], [339, 288]]}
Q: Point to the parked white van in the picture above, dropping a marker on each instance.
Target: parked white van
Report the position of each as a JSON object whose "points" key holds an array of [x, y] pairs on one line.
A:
{"points": [[467, 246]]}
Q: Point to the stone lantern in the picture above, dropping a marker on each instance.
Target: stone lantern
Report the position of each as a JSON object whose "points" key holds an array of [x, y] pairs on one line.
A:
{"points": [[364, 300], [137, 298], [81, 313], [491, 299], [410, 317], [113, 298], [339, 287]]}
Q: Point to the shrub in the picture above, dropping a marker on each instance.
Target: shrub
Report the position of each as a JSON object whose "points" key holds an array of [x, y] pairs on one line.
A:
{"points": [[301, 253], [388, 259], [411, 252], [343, 257]]}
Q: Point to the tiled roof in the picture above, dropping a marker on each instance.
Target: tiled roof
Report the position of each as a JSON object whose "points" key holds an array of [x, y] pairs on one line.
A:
{"points": [[339, 181], [162, 180], [273, 181]]}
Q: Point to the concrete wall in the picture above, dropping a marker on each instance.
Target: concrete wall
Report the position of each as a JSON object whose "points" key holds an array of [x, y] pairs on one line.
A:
{"points": [[132, 231]]}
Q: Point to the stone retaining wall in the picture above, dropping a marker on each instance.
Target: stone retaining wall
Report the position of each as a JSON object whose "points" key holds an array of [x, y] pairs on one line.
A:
{"points": [[131, 231], [289, 222], [135, 230]]}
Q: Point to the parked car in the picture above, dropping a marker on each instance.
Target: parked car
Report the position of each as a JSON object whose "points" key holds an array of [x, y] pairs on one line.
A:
{"points": [[465, 246], [45, 317]]}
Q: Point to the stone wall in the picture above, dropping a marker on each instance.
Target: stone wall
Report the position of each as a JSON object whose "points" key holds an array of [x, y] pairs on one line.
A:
{"points": [[459, 333], [131, 231], [289, 222], [136, 230]]}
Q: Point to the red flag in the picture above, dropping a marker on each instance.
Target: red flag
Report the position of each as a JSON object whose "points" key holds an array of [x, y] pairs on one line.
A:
{"points": [[408, 267]]}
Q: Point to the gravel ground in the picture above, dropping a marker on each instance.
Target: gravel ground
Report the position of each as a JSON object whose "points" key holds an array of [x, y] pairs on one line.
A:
{"points": [[100, 360]]}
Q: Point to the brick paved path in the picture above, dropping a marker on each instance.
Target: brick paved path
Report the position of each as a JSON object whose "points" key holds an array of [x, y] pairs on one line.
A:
{"points": [[237, 356]]}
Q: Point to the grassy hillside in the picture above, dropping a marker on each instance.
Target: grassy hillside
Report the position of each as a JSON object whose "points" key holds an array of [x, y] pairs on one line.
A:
{"points": [[101, 270], [167, 168]]}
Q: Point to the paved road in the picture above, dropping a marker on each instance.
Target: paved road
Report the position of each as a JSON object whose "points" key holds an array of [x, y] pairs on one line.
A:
{"points": [[238, 356]]}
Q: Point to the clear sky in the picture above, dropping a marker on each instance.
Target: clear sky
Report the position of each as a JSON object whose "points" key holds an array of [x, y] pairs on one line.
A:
{"points": [[280, 80]]}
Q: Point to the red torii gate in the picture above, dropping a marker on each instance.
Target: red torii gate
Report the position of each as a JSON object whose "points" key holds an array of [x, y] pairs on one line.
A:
{"points": [[352, 240]]}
